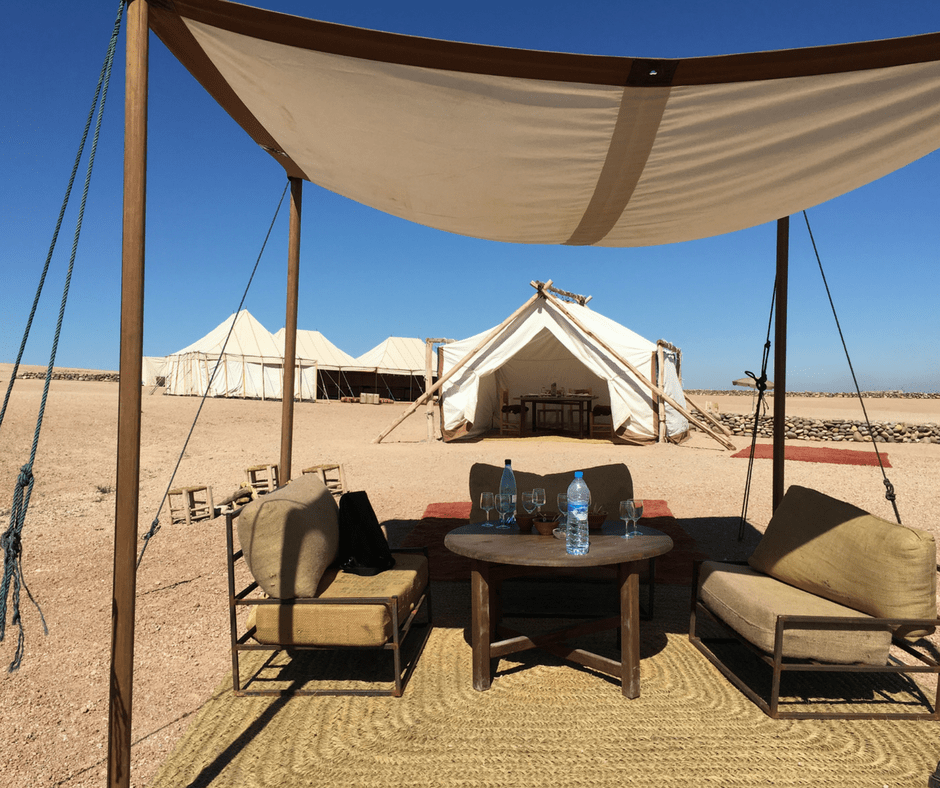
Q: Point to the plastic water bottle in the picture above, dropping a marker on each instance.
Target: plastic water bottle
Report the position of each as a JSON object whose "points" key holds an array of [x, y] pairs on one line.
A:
{"points": [[507, 486], [579, 498]]}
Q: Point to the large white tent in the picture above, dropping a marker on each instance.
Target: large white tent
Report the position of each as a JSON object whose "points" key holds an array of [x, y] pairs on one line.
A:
{"points": [[395, 356], [569, 345], [251, 366], [395, 368]]}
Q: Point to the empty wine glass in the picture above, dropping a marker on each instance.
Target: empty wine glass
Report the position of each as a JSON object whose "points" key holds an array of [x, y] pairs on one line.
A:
{"points": [[503, 507], [487, 504], [563, 506], [538, 497], [631, 511], [528, 502]]}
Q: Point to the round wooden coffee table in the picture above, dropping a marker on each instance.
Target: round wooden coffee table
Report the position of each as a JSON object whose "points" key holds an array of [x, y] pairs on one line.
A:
{"points": [[496, 554]]}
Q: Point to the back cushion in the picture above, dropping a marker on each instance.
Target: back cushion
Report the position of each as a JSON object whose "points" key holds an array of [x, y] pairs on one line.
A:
{"points": [[609, 485], [290, 537], [836, 550]]}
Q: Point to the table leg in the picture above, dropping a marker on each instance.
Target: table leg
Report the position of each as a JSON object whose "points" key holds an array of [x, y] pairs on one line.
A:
{"points": [[628, 581], [481, 594]]}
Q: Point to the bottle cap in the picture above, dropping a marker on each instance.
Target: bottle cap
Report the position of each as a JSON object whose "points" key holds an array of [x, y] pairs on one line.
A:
{"points": [[508, 462], [578, 474]]}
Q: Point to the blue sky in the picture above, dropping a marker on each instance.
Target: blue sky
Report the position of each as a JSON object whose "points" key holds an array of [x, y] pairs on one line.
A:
{"points": [[366, 276]]}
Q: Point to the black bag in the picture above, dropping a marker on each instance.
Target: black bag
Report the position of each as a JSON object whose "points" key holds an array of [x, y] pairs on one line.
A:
{"points": [[363, 548]]}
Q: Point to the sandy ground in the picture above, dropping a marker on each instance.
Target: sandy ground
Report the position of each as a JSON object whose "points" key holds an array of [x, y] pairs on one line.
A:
{"points": [[53, 711]]}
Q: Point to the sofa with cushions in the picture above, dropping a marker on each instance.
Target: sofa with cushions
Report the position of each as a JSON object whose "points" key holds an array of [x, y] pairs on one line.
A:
{"points": [[829, 587], [299, 598]]}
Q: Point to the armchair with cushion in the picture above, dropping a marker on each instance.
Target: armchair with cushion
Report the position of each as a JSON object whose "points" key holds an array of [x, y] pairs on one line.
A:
{"points": [[299, 598], [829, 589]]}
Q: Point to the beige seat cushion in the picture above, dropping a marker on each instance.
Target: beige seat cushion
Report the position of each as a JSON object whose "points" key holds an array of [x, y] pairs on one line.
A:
{"points": [[609, 485], [749, 602], [290, 537], [838, 551], [345, 625]]}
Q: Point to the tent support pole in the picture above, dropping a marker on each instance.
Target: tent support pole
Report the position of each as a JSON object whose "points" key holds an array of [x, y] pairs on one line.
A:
{"points": [[290, 330], [780, 359], [126, 504], [444, 378], [651, 386]]}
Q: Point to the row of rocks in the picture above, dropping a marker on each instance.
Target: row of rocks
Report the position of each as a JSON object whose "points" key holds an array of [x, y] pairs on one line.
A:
{"points": [[833, 429], [64, 374], [748, 392]]}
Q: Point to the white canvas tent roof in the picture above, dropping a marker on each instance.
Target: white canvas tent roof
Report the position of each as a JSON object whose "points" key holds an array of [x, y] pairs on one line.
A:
{"points": [[554, 148], [543, 345], [395, 356], [249, 339], [314, 346]]}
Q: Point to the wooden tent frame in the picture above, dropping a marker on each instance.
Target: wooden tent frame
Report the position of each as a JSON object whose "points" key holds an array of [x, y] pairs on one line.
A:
{"points": [[545, 291], [123, 606]]}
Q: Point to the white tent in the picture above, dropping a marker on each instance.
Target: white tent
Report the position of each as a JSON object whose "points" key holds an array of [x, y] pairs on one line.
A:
{"points": [[397, 367], [544, 345], [252, 365], [153, 370], [395, 356], [312, 345], [325, 378]]}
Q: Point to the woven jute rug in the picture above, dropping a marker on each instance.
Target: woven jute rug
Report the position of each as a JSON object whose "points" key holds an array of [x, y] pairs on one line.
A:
{"points": [[543, 722]]}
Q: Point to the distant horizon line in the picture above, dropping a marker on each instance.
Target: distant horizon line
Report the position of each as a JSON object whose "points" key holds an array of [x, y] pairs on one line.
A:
{"points": [[743, 391]]}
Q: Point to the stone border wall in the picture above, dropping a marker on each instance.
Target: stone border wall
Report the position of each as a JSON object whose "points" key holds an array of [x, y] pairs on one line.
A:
{"points": [[64, 374], [819, 394], [838, 430]]}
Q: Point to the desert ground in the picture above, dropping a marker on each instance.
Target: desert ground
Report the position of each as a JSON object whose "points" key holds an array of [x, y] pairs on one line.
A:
{"points": [[53, 710]]}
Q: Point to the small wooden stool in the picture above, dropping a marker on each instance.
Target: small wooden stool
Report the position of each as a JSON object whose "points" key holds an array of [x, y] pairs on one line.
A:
{"points": [[189, 504], [262, 478], [332, 476]]}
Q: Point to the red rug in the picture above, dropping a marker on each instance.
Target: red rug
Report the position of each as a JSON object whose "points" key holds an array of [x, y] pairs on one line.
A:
{"points": [[673, 568], [764, 451]]}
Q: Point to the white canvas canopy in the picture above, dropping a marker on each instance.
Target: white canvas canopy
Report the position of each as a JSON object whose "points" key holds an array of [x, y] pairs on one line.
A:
{"points": [[544, 345], [555, 148], [252, 365]]}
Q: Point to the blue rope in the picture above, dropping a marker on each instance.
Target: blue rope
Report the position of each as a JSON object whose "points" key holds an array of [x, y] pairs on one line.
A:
{"points": [[11, 541], [155, 523]]}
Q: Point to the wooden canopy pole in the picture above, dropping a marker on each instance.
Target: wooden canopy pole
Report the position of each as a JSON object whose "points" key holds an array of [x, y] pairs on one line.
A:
{"points": [[780, 359], [444, 378], [290, 330], [124, 587], [650, 385]]}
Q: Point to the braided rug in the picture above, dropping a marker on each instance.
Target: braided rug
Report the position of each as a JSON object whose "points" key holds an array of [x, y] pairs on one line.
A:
{"points": [[543, 723]]}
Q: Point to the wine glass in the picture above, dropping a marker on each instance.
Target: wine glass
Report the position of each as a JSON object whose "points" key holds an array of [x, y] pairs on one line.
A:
{"points": [[503, 506], [528, 502], [631, 510], [538, 497], [563, 506], [487, 504]]}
